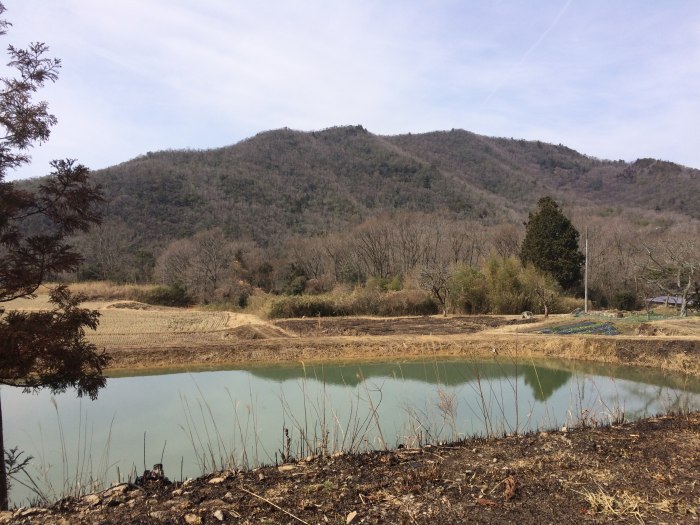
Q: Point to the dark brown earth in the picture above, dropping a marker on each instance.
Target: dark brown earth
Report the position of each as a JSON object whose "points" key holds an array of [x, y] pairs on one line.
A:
{"points": [[644, 472], [428, 325]]}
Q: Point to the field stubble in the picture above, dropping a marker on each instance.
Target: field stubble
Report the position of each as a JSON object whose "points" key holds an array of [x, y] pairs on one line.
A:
{"points": [[139, 335]]}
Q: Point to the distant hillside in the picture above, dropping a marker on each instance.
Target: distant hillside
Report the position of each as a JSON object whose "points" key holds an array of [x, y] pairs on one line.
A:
{"points": [[285, 182]]}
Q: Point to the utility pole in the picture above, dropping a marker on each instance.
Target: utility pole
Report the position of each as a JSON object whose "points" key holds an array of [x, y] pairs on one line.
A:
{"points": [[585, 276]]}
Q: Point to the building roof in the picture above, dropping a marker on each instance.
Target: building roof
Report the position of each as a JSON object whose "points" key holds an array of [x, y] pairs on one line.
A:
{"points": [[673, 300]]}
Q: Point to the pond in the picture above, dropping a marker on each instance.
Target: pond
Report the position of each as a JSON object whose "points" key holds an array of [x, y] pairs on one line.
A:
{"points": [[198, 421]]}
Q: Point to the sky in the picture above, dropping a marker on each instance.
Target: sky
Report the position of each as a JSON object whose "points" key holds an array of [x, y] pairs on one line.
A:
{"points": [[611, 79]]}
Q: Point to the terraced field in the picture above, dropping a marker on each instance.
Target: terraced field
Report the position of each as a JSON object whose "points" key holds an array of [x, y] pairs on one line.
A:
{"points": [[129, 327], [133, 324]]}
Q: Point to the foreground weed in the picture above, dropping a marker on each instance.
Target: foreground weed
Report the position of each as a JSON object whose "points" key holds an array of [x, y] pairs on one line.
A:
{"points": [[619, 505]]}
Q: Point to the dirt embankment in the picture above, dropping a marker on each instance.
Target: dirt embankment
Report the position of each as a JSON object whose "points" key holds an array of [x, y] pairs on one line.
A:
{"points": [[415, 337], [140, 336], [644, 472]]}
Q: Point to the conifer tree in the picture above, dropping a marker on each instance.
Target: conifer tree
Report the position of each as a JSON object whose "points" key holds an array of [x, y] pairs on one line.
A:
{"points": [[41, 349], [551, 244]]}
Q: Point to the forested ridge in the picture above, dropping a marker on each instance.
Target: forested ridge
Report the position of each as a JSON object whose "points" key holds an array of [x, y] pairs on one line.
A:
{"points": [[285, 182], [301, 212]]}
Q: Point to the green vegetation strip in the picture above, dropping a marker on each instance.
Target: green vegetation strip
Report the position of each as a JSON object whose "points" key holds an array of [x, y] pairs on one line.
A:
{"points": [[585, 327]]}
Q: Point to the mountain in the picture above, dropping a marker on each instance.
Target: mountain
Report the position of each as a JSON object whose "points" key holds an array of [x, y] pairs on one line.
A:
{"points": [[284, 182]]}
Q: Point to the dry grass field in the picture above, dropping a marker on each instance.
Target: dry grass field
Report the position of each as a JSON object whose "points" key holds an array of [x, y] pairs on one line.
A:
{"points": [[127, 323], [138, 335]]}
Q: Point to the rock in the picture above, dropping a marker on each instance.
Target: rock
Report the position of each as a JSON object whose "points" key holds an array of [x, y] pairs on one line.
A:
{"points": [[219, 515], [31, 511], [117, 490], [159, 515], [91, 499], [192, 519], [179, 505], [216, 481]]}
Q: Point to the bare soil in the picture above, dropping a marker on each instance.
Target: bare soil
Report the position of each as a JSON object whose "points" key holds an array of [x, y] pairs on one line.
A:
{"points": [[644, 472], [427, 325]]}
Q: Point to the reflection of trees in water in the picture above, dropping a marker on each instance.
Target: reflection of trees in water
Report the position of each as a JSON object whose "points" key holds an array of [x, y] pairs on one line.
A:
{"points": [[544, 381], [448, 373], [661, 399]]}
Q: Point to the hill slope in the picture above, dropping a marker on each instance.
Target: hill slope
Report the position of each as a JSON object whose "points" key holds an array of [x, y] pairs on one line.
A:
{"points": [[286, 182]]}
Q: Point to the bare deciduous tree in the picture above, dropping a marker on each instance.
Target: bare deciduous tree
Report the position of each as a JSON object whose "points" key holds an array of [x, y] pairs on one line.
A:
{"points": [[200, 263], [673, 266]]}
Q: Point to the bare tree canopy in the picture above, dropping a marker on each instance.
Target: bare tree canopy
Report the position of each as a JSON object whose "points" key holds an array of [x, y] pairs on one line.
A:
{"points": [[673, 267]]}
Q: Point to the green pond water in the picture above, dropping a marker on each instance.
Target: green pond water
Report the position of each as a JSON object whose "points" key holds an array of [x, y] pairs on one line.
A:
{"points": [[197, 421]]}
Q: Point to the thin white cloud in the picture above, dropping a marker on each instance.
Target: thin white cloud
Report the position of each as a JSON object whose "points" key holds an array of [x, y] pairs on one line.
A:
{"points": [[613, 79]]}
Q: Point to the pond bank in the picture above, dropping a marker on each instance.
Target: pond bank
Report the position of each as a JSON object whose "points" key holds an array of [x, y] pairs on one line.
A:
{"points": [[675, 354], [633, 473]]}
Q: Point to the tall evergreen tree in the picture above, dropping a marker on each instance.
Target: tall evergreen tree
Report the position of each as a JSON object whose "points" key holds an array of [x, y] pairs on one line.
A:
{"points": [[551, 244]]}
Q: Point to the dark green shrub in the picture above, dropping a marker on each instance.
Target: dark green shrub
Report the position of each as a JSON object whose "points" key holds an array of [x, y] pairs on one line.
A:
{"points": [[243, 300], [469, 291], [173, 295], [625, 300], [296, 286], [304, 306]]}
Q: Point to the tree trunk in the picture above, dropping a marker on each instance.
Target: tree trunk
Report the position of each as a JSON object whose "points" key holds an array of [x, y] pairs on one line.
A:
{"points": [[4, 503], [685, 292]]}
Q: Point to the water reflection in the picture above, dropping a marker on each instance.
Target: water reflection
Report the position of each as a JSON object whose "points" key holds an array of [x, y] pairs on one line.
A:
{"points": [[240, 414], [542, 377], [543, 382]]}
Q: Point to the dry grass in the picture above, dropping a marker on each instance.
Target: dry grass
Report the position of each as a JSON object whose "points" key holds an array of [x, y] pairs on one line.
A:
{"points": [[620, 505], [689, 326], [105, 290], [566, 304], [161, 336], [623, 504], [129, 323], [97, 295], [161, 326]]}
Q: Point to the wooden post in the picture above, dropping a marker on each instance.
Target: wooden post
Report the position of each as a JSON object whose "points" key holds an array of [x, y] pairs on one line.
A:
{"points": [[585, 277]]}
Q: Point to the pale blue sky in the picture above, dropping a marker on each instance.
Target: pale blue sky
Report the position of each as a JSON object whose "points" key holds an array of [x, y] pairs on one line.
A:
{"points": [[612, 79]]}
